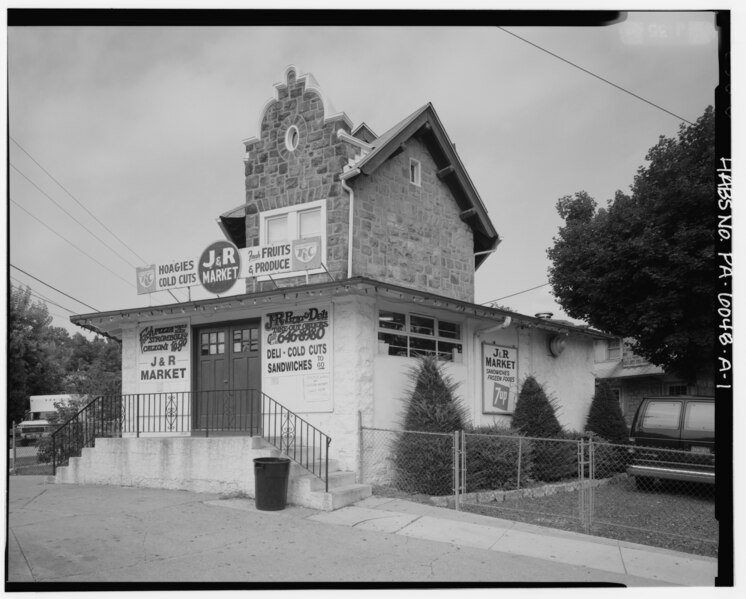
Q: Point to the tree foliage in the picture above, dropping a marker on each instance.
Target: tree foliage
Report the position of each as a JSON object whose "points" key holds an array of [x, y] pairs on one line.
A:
{"points": [[605, 416], [45, 360], [423, 461], [534, 412], [644, 266]]}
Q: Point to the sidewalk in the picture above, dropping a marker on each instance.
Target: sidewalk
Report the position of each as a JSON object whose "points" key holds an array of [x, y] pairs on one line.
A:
{"points": [[79, 533]]}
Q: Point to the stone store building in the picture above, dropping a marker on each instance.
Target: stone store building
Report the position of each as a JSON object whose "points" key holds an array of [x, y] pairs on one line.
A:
{"points": [[351, 255]]}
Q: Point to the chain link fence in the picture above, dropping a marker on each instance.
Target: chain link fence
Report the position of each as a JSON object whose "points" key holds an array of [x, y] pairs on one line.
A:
{"points": [[579, 484]]}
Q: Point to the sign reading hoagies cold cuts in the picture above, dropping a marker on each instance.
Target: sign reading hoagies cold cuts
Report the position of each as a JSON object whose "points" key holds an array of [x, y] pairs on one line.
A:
{"points": [[222, 264], [499, 379]]}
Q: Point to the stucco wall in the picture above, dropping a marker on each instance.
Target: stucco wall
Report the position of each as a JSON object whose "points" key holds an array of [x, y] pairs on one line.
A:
{"points": [[410, 235]]}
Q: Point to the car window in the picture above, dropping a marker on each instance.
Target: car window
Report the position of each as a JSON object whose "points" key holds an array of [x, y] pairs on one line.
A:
{"points": [[700, 416], [662, 414]]}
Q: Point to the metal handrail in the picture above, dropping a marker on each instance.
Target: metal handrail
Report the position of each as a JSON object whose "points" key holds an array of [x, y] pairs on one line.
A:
{"points": [[233, 411], [296, 438]]}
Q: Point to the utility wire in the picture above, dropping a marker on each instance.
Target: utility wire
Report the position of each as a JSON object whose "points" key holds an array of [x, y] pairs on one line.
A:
{"points": [[512, 294], [72, 244], [619, 87], [84, 208], [38, 295], [70, 215], [78, 202], [51, 287]]}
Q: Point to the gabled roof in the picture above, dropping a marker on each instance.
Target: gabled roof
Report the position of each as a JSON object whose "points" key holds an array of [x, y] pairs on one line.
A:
{"points": [[425, 125]]}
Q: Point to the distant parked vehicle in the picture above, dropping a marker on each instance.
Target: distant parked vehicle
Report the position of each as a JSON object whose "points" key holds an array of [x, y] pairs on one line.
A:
{"points": [[36, 423], [674, 439]]}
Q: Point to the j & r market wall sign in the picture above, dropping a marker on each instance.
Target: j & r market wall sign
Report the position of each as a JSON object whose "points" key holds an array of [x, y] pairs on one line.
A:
{"points": [[499, 379], [163, 356], [221, 264]]}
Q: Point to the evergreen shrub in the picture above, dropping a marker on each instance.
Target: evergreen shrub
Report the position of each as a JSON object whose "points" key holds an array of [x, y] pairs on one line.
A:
{"points": [[423, 462], [492, 455]]}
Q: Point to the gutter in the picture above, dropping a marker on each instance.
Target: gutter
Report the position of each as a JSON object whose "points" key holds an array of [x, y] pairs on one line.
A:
{"points": [[343, 180]]}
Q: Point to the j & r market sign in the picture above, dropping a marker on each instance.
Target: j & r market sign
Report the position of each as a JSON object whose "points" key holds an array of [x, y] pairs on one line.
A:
{"points": [[222, 264], [499, 379]]}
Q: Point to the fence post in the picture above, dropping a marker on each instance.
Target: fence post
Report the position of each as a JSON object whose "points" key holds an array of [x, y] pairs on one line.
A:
{"points": [[360, 446], [520, 455], [13, 466], [592, 478], [137, 414], [456, 468]]}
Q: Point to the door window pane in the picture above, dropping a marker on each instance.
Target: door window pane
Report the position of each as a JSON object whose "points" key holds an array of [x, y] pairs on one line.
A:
{"points": [[662, 414]]}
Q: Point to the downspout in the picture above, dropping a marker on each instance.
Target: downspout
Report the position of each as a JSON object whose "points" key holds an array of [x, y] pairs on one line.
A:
{"points": [[342, 179]]}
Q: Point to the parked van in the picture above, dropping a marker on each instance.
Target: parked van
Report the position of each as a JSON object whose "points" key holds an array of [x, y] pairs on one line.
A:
{"points": [[36, 424], [674, 439]]}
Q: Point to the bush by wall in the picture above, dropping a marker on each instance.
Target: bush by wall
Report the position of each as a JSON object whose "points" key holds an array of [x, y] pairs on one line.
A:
{"points": [[605, 416], [534, 414], [423, 462], [492, 457]]}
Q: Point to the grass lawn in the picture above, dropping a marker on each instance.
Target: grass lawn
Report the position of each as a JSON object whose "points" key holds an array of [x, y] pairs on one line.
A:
{"points": [[677, 517]]}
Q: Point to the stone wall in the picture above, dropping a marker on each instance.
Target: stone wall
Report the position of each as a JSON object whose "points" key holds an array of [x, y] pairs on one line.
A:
{"points": [[412, 235], [277, 178]]}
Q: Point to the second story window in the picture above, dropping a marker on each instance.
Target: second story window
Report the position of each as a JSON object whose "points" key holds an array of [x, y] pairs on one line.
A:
{"points": [[285, 225], [415, 172], [614, 349]]}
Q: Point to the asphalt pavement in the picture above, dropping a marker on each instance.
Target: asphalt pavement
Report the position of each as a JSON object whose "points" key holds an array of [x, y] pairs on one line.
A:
{"points": [[59, 534]]}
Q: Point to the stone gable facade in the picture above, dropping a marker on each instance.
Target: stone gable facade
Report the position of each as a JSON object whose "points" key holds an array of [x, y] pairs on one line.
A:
{"points": [[405, 234], [277, 178]]}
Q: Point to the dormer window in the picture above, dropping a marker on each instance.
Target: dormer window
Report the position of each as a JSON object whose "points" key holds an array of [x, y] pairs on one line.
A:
{"points": [[415, 172]]}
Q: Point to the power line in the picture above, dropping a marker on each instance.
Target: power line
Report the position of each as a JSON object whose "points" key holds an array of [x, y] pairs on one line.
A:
{"points": [[70, 215], [619, 87], [512, 294], [51, 287], [77, 201], [86, 209], [37, 295], [72, 244]]}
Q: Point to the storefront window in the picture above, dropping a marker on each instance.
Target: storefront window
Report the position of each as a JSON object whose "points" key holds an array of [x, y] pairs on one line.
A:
{"points": [[245, 340], [418, 335]]}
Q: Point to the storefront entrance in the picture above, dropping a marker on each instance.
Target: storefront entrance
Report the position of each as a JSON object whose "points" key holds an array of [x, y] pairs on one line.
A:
{"points": [[228, 379]]}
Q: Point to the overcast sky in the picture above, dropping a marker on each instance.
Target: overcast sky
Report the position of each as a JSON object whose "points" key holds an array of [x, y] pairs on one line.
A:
{"points": [[143, 126]]}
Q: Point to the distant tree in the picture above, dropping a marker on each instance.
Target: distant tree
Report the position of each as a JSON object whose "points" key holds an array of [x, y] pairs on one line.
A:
{"points": [[45, 360], [534, 414], [605, 416], [643, 268], [33, 348], [95, 367]]}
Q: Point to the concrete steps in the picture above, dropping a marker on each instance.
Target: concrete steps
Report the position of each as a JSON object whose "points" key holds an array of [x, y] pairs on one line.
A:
{"points": [[206, 465]]}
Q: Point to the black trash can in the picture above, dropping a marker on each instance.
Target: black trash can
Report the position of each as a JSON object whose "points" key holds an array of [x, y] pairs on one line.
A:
{"points": [[271, 483]]}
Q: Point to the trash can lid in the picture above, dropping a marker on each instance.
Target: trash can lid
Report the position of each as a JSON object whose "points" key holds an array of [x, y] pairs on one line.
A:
{"points": [[271, 460]]}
